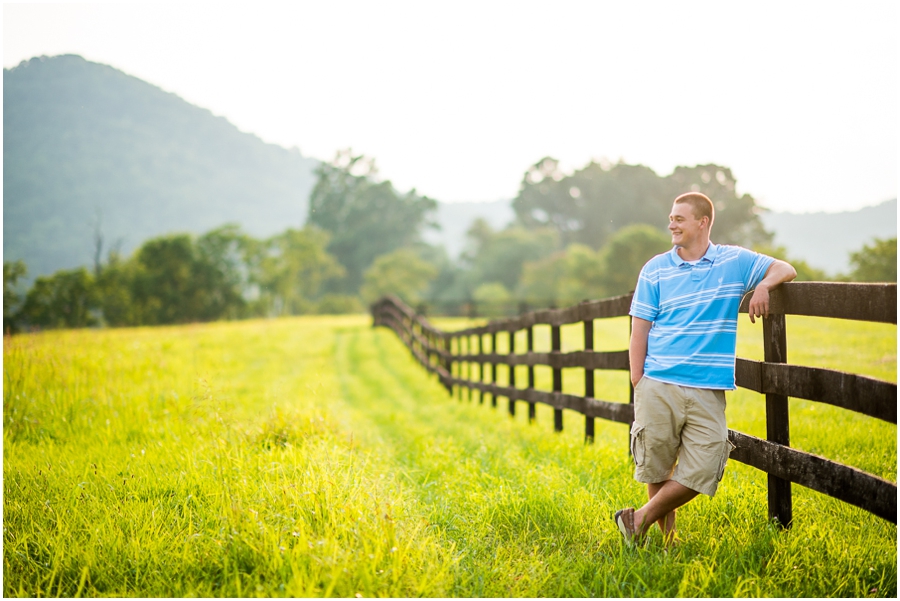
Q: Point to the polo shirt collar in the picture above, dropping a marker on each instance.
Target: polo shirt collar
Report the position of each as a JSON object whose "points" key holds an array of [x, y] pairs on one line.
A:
{"points": [[711, 252]]}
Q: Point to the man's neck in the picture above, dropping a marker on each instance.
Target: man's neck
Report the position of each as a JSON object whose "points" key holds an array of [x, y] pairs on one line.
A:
{"points": [[694, 252]]}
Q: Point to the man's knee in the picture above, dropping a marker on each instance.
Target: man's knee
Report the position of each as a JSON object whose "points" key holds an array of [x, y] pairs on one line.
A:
{"points": [[702, 468]]}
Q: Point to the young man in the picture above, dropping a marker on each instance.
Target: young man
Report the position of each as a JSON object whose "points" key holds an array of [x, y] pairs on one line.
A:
{"points": [[682, 353]]}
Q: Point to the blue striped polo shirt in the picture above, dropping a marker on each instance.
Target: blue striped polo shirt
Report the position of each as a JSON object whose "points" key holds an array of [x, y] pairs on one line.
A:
{"points": [[694, 310]]}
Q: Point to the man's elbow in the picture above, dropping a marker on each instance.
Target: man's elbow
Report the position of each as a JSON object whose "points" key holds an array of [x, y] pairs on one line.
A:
{"points": [[788, 273]]}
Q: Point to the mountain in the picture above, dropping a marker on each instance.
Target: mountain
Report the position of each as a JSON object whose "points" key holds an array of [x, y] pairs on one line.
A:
{"points": [[825, 240], [87, 148]]}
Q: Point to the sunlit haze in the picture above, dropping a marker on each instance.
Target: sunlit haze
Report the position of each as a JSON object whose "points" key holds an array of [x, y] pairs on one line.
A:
{"points": [[458, 99]]}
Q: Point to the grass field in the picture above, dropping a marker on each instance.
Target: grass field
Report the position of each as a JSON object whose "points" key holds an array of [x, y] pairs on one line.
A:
{"points": [[313, 457]]}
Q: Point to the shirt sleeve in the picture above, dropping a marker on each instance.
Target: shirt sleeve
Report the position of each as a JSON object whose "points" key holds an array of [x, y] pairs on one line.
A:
{"points": [[645, 302], [754, 267]]}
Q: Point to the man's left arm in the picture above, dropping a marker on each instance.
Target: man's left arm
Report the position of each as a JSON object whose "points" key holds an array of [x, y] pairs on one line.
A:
{"points": [[778, 273]]}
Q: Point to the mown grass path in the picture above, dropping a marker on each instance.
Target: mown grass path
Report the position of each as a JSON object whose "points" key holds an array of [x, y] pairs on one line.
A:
{"points": [[313, 457], [531, 509]]}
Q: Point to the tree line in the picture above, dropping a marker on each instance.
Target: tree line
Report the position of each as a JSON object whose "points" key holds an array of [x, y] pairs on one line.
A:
{"points": [[577, 236]]}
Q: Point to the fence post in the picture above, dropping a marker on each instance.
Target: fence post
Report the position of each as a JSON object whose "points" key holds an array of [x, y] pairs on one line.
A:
{"points": [[532, 413], [777, 419], [555, 341], [442, 360], [467, 367], [493, 375], [512, 373], [456, 366], [588, 379], [479, 350], [448, 349]]}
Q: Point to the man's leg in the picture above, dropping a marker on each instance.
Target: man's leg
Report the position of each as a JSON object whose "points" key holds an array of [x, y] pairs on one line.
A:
{"points": [[700, 468], [668, 497], [667, 522]]}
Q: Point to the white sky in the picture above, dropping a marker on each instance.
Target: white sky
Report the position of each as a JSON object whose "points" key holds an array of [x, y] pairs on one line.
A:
{"points": [[457, 99]]}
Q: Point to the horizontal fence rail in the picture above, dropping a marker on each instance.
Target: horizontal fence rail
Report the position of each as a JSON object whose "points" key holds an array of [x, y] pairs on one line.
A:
{"points": [[454, 356]]}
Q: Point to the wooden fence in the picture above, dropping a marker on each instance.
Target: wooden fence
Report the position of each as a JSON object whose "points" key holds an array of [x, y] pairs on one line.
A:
{"points": [[453, 356]]}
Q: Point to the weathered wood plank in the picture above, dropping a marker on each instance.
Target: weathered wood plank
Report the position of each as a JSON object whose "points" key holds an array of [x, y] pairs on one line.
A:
{"points": [[857, 301], [582, 359], [842, 482], [610, 410], [748, 374], [869, 396], [617, 306]]}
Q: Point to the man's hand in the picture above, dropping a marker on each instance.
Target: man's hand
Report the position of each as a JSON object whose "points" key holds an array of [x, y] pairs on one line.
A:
{"points": [[778, 273], [759, 303], [637, 348]]}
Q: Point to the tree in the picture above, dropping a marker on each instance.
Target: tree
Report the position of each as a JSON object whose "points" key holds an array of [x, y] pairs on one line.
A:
{"points": [[223, 274], [339, 304], [495, 292], [446, 285], [13, 271], [180, 279], [66, 299], [492, 300], [221, 270], [292, 270], [164, 288], [564, 278], [591, 204], [364, 217], [626, 253], [876, 262], [115, 289], [401, 273], [499, 256]]}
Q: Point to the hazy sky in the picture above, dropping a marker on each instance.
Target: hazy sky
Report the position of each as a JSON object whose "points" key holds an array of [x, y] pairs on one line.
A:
{"points": [[457, 99]]}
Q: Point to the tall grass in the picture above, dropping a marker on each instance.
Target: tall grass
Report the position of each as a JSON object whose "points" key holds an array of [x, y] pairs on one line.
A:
{"points": [[313, 457]]}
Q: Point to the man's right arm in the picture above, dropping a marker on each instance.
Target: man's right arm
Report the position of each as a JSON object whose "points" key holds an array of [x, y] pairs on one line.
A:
{"points": [[637, 349]]}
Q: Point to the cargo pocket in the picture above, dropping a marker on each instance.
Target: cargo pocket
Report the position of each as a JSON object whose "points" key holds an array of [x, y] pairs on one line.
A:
{"points": [[727, 447], [637, 444]]}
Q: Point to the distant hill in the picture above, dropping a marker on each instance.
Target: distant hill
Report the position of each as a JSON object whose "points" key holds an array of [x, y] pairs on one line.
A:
{"points": [[825, 240], [84, 143]]}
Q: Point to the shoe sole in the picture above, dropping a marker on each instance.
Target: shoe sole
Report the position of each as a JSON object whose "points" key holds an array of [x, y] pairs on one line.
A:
{"points": [[623, 528]]}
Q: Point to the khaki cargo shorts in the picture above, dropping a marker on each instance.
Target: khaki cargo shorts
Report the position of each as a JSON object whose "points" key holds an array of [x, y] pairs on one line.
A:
{"points": [[679, 433]]}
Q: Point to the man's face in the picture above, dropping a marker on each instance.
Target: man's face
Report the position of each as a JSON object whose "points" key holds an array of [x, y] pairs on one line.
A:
{"points": [[684, 225]]}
